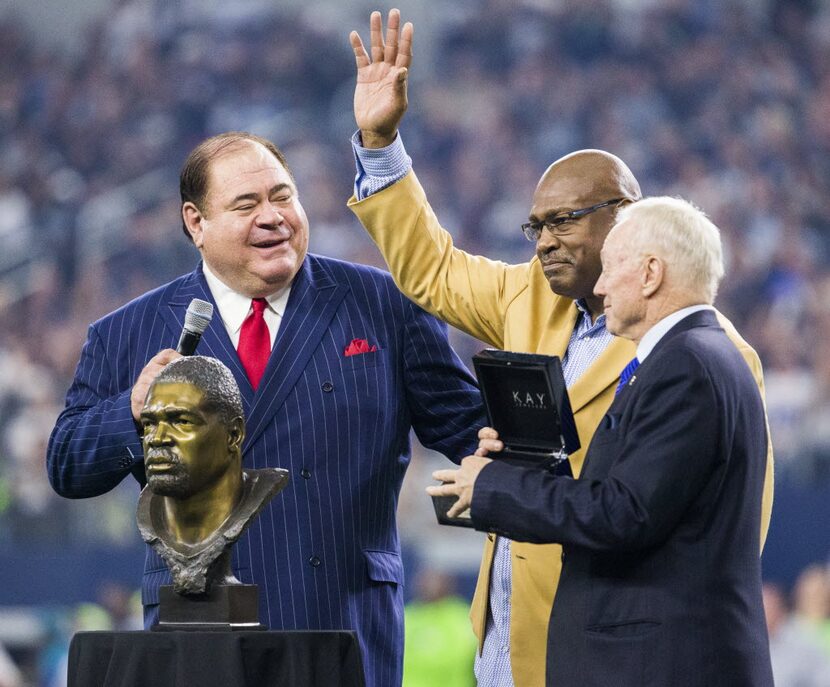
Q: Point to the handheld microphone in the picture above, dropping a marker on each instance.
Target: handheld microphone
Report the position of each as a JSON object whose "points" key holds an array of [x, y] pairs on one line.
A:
{"points": [[196, 320]]}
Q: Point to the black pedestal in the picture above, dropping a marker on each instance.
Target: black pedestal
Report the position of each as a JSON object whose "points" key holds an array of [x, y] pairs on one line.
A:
{"points": [[226, 607], [215, 659]]}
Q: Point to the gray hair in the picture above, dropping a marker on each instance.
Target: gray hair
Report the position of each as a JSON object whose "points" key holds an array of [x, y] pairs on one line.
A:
{"points": [[681, 233]]}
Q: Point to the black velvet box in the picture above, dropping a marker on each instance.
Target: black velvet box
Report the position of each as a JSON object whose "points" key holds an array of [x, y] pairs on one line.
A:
{"points": [[527, 404]]}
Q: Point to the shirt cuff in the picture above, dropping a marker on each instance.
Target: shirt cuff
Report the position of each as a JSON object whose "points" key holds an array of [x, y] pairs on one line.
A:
{"points": [[378, 168]]}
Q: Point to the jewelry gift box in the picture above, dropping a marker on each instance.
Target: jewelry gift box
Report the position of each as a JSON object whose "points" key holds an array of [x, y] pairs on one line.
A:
{"points": [[527, 404]]}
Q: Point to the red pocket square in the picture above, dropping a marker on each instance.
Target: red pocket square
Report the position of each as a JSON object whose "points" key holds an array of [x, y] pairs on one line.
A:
{"points": [[358, 346]]}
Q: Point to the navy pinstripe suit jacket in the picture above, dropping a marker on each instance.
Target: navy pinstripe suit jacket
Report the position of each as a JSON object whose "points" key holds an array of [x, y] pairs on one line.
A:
{"points": [[325, 551]]}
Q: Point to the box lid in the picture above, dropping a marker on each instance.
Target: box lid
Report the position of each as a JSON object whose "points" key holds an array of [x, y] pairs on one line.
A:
{"points": [[526, 400]]}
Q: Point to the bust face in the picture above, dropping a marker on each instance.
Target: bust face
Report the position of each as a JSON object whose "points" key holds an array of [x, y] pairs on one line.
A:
{"points": [[186, 447]]}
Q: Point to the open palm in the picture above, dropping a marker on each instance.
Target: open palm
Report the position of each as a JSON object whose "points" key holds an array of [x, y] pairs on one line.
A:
{"points": [[380, 92]]}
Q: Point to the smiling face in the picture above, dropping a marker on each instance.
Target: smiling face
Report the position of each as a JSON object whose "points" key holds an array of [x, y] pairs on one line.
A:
{"points": [[252, 231], [187, 449], [570, 255]]}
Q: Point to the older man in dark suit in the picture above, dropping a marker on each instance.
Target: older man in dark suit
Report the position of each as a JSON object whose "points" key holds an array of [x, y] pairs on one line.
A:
{"points": [[334, 365], [661, 581]]}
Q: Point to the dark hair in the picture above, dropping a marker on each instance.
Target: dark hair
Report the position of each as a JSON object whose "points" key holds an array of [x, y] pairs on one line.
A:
{"points": [[213, 378], [193, 180]]}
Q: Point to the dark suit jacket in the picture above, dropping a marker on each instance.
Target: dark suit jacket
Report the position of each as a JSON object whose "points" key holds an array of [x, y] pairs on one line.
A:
{"points": [[661, 580], [325, 551]]}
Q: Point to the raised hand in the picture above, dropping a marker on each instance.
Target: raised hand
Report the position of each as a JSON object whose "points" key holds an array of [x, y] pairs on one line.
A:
{"points": [[380, 92]]}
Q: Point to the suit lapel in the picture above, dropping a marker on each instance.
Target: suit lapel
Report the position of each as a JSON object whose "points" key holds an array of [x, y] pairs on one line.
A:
{"points": [[215, 341], [701, 318], [555, 335], [311, 306], [603, 372]]}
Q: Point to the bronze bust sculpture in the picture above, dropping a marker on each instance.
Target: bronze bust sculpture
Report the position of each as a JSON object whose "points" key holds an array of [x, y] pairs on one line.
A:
{"points": [[198, 499]]}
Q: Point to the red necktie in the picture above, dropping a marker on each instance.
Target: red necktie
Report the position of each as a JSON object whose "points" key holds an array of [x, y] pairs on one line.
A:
{"points": [[254, 342]]}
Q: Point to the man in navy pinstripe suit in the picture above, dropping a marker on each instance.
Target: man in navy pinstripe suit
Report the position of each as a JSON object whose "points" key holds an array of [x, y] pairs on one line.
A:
{"points": [[325, 554]]}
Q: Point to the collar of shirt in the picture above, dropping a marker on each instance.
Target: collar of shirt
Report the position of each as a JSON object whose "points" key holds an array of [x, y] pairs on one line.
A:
{"points": [[658, 331], [588, 341], [233, 307], [587, 325]]}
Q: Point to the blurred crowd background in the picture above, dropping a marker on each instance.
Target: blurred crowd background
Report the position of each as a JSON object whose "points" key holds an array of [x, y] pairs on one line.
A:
{"points": [[723, 102]]}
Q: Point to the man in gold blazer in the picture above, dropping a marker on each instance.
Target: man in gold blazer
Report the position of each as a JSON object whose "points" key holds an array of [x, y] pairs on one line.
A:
{"points": [[544, 306]]}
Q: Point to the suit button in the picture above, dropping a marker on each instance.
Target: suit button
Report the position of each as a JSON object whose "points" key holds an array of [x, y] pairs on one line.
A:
{"points": [[314, 562], [305, 473], [328, 387]]}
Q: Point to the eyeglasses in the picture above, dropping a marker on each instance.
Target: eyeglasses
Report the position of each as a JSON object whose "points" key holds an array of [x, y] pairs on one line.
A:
{"points": [[533, 230]]}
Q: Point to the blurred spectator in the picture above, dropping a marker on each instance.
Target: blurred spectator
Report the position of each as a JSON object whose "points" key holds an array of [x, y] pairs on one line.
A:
{"points": [[797, 657], [439, 644], [123, 607], [811, 602], [86, 617], [10, 675]]}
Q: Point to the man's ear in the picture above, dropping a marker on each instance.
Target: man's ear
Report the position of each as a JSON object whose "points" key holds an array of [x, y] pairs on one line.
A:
{"points": [[236, 434], [654, 271], [193, 221]]}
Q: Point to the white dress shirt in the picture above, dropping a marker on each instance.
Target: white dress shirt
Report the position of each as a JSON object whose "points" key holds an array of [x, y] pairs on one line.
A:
{"points": [[652, 337], [233, 307]]}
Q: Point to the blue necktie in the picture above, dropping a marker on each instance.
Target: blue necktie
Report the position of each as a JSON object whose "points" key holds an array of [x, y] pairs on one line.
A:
{"points": [[626, 374]]}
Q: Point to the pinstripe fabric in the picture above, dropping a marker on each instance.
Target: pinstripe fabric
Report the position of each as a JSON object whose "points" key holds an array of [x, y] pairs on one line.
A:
{"points": [[324, 552]]}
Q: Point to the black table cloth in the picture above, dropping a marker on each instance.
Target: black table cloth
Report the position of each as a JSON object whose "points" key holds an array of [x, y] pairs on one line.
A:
{"points": [[208, 659]]}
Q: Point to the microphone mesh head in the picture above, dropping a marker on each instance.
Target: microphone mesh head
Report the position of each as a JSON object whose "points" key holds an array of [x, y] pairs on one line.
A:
{"points": [[198, 315]]}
